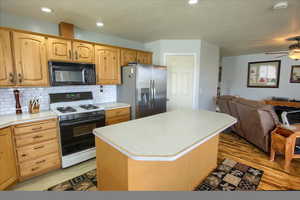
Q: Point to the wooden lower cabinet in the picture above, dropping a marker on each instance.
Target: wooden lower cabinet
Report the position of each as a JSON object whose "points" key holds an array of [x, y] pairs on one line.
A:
{"points": [[37, 148], [39, 166], [8, 170], [116, 116]]}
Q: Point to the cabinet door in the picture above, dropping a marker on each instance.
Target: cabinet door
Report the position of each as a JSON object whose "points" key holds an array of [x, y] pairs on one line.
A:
{"points": [[30, 59], [144, 58], [6, 64], [59, 49], [8, 171], [83, 52], [127, 56], [107, 65]]}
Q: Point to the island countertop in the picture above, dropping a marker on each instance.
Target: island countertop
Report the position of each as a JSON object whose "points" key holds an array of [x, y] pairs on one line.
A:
{"points": [[164, 137]]}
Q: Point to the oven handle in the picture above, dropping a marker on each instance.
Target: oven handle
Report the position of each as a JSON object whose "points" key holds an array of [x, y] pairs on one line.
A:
{"points": [[81, 122]]}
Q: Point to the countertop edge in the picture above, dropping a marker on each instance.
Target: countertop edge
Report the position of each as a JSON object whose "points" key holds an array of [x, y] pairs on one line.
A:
{"points": [[12, 123], [117, 107], [165, 158], [50, 116]]}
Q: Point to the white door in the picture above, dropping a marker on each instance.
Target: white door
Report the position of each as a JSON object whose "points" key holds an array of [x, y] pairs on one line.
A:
{"points": [[180, 81]]}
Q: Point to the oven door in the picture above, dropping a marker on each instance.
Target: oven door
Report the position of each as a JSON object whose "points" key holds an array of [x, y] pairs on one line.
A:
{"points": [[77, 135]]}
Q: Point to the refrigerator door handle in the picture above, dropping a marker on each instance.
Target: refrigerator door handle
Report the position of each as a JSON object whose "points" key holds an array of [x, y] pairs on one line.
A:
{"points": [[150, 93], [154, 89]]}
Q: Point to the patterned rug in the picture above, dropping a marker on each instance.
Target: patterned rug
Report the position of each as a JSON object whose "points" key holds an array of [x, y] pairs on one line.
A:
{"points": [[232, 176], [229, 176], [85, 182]]}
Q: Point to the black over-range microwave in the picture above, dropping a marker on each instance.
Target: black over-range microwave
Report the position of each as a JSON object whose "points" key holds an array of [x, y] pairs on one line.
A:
{"points": [[65, 73]]}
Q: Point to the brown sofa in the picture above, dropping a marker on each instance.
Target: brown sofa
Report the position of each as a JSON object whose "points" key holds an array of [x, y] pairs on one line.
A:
{"points": [[256, 120]]}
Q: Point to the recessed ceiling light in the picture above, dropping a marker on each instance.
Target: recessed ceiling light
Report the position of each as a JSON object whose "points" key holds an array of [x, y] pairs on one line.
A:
{"points": [[100, 24], [47, 10], [192, 2], [281, 5]]}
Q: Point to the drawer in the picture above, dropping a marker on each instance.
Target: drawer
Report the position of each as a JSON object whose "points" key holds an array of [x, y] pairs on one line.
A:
{"points": [[37, 150], [117, 112], [119, 119], [34, 127], [36, 166], [33, 138]]}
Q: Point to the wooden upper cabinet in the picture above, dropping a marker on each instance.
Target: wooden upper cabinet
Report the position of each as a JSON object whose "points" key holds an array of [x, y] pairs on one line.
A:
{"points": [[108, 67], [30, 59], [83, 52], [144, 57], [8, 169], [6, 62], [59, 49], [128, 56]]}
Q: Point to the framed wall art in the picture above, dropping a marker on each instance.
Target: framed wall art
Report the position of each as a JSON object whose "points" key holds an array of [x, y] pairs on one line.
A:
{"points": [[264, 74], [295, 74]]}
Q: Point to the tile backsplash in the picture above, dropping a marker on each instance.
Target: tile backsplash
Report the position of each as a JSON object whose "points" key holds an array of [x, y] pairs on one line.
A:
{"points": [[7, 99]]}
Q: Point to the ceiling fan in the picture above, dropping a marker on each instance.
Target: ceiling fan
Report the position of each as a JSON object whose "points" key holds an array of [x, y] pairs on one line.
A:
{"points": [[293, 52]]}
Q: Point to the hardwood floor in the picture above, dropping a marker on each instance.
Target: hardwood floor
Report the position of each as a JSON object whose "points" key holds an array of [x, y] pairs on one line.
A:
{"points": [[231, 146], [275, 178]]}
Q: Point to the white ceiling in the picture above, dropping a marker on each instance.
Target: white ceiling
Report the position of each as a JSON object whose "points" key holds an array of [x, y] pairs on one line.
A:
{"points": [[237, 26]]}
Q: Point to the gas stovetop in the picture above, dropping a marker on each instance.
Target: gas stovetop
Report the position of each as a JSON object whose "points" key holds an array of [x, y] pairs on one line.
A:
{"points": [[67, 109], [89, 107], [73, 103], [75, 109]]}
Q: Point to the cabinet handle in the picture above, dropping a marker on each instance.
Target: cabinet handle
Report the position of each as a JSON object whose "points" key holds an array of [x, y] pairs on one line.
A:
{"points": [[40, 147], [20, 77], [39, 162], [11, 77], [24, 155], [33, 169], [70, 54], [76, 54], [37, 137], [36, 129]]}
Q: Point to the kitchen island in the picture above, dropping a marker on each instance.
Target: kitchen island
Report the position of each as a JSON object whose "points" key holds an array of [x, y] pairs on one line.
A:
{"points": [[173, 151]]}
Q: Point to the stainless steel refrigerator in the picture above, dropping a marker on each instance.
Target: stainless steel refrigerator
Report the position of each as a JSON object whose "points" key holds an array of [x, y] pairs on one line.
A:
{"points": [[144, 87]]}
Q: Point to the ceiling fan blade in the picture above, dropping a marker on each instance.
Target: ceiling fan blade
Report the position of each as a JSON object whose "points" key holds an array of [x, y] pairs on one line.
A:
{"points": [[278, 52], [280, 56]]}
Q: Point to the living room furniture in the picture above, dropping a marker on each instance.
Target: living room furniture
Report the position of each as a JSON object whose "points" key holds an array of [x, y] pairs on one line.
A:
{"points": [[283, 103], [284, 141], [256, 120]]}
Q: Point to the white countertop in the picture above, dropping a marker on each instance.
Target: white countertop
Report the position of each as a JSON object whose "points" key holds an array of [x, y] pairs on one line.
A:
{"points": [[112, 105], [9, 120], [164, 137], [13, 119]]}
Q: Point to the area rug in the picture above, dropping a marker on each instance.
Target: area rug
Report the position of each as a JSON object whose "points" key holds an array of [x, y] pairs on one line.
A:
{"points": [[85, 182], [229, 176], [232, 176]]}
